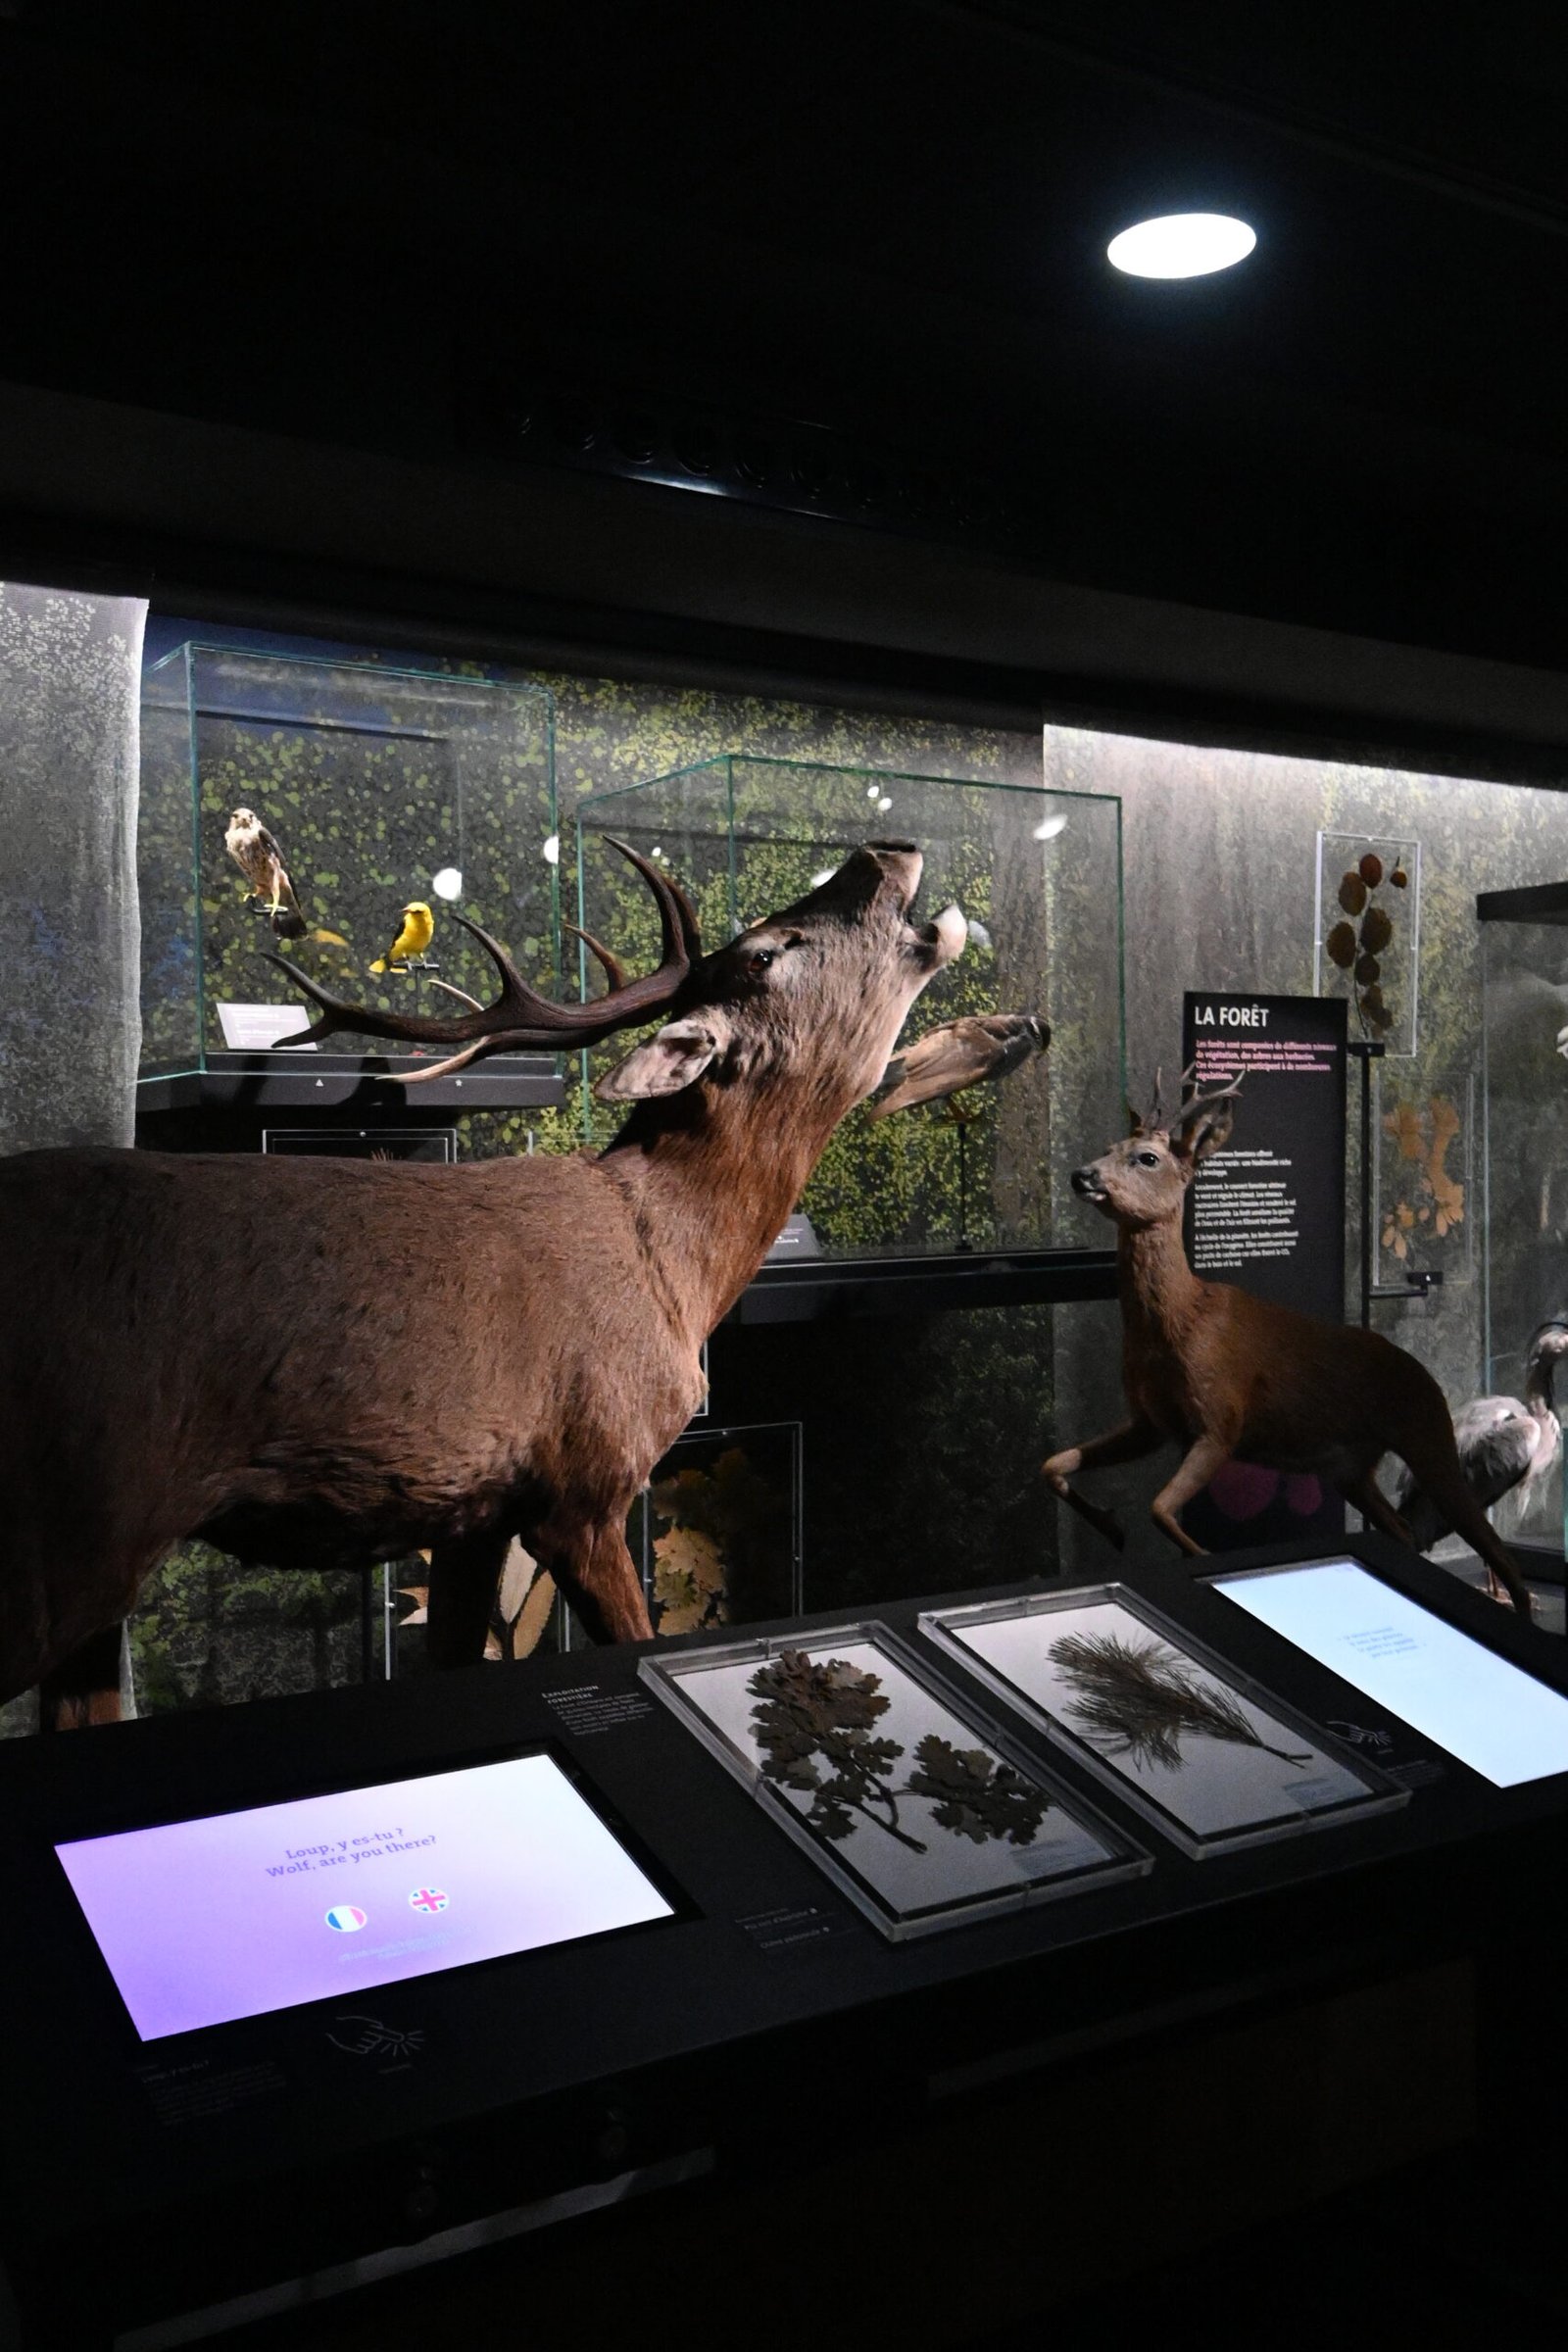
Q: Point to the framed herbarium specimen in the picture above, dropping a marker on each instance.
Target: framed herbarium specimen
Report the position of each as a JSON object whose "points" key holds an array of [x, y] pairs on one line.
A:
{"points": [[917, 1808], [1196, 1746]]}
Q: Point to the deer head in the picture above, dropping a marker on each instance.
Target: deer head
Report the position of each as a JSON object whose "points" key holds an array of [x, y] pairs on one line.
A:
{"points": [[1143, 1180], [823, 986], [843, 964]]}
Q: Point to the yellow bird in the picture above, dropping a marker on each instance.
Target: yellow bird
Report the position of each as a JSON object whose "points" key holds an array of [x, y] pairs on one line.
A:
{"points": [[419, 929]]}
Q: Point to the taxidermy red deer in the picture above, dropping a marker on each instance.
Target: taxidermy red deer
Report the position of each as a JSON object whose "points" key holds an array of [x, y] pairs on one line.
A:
{"points": [[1224, 1374], [332, 1362]]}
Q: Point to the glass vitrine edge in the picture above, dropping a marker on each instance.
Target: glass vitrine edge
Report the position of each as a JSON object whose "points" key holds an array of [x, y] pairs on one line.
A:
{"points": [[928, 1676], [852, 768], [1381, 1793], [534, 689], [1124, 1858]]}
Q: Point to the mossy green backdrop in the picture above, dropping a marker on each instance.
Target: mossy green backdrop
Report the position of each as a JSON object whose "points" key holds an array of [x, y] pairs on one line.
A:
{"points": [[921, 1435]]}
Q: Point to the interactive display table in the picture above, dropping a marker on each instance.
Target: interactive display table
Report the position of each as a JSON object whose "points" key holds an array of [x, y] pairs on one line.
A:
{"points": [[292, 1984]]}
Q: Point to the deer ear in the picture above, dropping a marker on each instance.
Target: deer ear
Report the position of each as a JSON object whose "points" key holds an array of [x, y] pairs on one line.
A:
{"points": [[678, 1055], [1207, 1133]]}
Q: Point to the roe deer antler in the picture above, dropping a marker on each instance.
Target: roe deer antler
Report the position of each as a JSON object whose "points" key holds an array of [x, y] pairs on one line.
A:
{"points": [[520, 1017]]}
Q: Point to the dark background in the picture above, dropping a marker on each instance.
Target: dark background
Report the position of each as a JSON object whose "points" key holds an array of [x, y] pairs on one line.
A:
{"points": [[442, 314]]}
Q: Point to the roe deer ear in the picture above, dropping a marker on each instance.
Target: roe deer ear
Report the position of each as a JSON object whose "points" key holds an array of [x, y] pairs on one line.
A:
{"points": [[678, 1055]]}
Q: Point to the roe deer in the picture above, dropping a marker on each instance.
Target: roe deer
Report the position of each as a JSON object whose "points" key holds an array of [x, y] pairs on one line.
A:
{"points": [[1222, 1373], [330, 1362]]}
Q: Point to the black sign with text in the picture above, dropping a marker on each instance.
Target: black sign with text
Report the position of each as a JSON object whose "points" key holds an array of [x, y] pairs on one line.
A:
{"points": [[1267, 1213]]}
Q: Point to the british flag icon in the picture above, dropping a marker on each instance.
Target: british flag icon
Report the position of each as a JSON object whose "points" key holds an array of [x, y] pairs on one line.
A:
{"points": [[427, 1898]]}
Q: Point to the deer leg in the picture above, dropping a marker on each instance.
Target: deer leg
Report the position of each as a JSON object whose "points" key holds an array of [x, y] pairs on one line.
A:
{"points": [[1193, 1472], [1128, 1443], [464, 1576], [1365, 1495], [603, 1587], [83, 1688]]}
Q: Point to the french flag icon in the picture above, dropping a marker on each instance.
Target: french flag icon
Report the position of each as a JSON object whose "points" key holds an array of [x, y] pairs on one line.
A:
{"points": [[346, 1918]]}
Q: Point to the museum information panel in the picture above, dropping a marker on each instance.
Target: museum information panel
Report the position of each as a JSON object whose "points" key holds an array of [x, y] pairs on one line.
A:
{"points": [[242, 1913], [1485, 1711]]}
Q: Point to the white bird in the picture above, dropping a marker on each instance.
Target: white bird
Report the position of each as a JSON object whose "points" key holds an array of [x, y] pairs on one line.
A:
{"points": [[1505, 1442]]}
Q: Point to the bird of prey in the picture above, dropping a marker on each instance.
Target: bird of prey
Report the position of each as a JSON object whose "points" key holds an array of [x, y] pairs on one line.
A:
{"points": [[419, 929], [961, 1054], [1505, 1442], [259, 860]]}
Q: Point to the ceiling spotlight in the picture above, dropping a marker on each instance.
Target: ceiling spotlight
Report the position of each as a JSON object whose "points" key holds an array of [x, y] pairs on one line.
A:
{"points": [[826, 875], [1181, 245], [551, 849], [885, 802], [1048, 827], [447, 883], [872, 791]]}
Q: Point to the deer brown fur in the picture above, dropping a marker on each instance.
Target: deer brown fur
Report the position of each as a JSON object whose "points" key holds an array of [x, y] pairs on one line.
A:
{"points": [[324, 1363], [1223, 1374]]}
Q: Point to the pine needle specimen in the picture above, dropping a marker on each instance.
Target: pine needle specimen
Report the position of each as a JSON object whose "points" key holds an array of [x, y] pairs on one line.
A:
{"points": [[1141, 1700]]}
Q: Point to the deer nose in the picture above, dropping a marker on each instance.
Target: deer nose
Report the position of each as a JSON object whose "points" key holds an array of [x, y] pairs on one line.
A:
{"points": [[1086, 1184]]}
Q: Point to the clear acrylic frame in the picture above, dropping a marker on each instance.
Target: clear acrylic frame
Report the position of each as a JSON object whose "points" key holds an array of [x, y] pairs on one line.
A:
{"points": [[1037, 872], [1245, 1791], [381, 786], [1384, 995], [978, 1786]]}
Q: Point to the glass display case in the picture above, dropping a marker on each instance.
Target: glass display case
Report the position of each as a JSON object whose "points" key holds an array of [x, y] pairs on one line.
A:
{"points": [[391, 797], [1038, 874], [1524, 936], [919, 1808]]}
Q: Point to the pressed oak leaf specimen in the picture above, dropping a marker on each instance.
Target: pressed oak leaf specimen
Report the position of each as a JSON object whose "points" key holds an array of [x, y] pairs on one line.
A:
{"points": [[973, 1794], [814, 1722]]}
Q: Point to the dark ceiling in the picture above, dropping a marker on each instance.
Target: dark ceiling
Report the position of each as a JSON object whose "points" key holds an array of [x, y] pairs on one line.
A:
{"points": [[860, 245]]}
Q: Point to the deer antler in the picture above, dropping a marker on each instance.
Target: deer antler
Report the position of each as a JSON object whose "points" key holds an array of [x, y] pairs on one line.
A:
{"points": [[615, 971], [519, 1018], [1147, 1122], [1194, 1105]]}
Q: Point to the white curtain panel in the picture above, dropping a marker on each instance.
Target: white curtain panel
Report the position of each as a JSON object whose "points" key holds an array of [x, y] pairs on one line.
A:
{"points": [[69, 933]]}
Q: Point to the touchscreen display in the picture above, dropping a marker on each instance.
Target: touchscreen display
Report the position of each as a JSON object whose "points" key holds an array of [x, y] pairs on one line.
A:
{"points": [[327, 1896], [1490, 1714]]}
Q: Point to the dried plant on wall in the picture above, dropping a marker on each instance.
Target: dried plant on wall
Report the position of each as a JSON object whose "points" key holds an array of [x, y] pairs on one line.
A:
{"points": [[721, 1533], [815, 1724], [1429, 1200], [1359, 944]]}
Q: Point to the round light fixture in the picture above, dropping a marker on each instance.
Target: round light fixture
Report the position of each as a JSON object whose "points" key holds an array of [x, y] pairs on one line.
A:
{"points": [[1181, 245], [447, 883], [1048, 827], [551, 853]]}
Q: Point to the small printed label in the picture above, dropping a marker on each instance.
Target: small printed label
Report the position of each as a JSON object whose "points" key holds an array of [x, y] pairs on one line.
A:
{"points": [[196, 2090], [1417, 1775], [587, 1708], [791, 1925]]}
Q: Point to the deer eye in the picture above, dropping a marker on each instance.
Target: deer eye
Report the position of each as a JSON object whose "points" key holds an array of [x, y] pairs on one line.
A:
{"points": [[760, 960], [1149, 1160]]}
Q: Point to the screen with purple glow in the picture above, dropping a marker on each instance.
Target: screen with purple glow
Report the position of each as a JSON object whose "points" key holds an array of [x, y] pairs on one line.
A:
{"points": [[241, 1913]]}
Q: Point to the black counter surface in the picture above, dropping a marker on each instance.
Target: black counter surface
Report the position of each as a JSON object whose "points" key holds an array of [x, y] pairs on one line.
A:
{"points": [[166, 2176]]}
